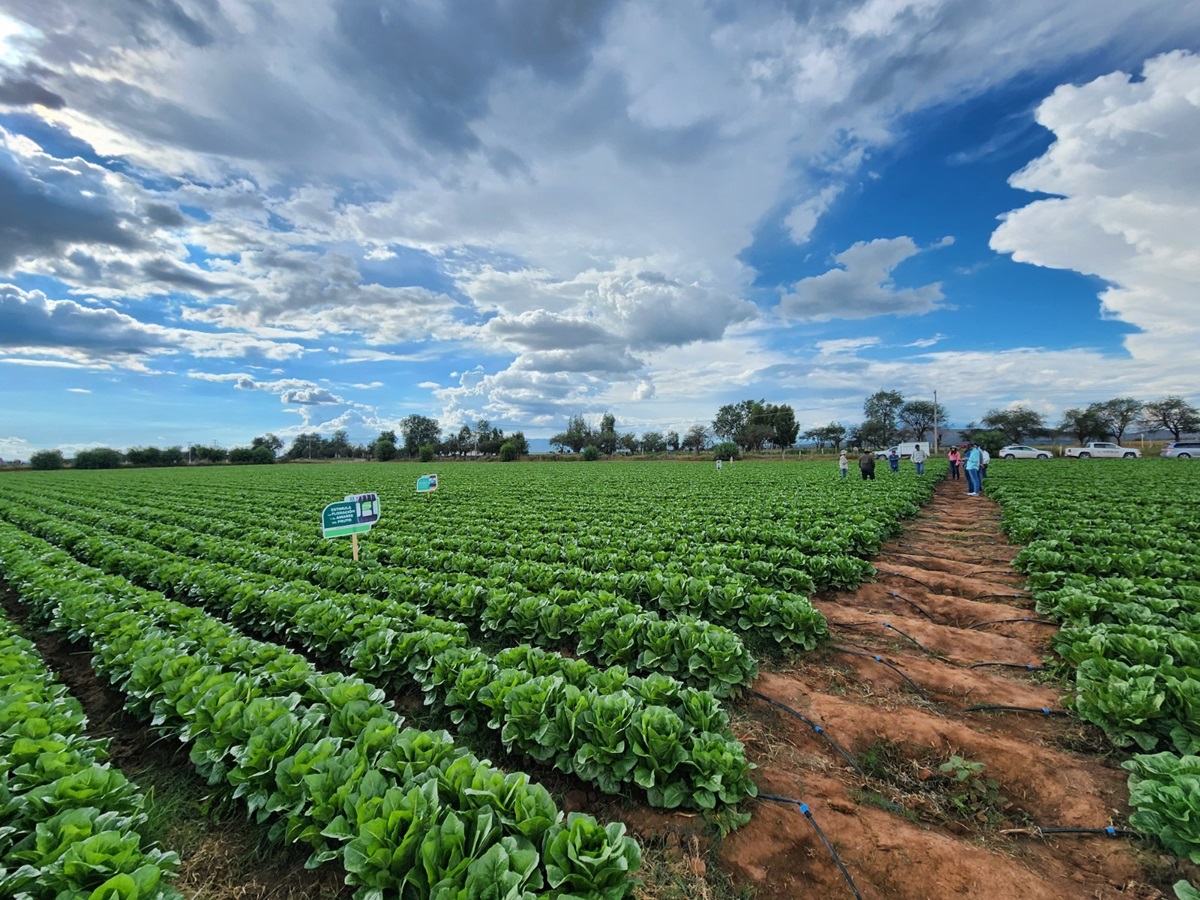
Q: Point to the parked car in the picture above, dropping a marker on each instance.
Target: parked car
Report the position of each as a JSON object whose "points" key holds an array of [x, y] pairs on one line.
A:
{"points": [[1020, 451], [1102, 450], [1181, 450]]}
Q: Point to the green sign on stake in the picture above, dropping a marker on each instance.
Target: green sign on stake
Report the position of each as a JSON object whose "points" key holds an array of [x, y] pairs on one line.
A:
{"points": [[354, 515], [426, 484]]}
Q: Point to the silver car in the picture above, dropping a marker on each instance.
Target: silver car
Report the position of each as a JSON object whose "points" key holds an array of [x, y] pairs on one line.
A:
{"points": [[1020, 451], [1180, 450]]}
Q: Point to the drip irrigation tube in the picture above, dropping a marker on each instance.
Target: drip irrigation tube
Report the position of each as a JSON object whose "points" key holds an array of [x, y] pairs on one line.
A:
{"points": [[815, 727], [919, 645], [1007, 666], [915, 605], [1033, 709], [910, 578], [1002, 621], [879, 659], [1001, 596], [804, 810], [1038, 831]]}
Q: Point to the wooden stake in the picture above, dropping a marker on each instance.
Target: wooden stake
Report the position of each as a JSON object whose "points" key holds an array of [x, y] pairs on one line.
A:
{"points": [[354, 544]]}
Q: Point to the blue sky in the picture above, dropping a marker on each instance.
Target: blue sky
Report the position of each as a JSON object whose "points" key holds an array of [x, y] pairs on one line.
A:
{"points": [[221, 218]]}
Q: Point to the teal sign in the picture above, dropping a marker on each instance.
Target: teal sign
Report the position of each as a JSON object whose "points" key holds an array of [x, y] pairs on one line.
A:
{"points": [[354, 515], [426, 483]]}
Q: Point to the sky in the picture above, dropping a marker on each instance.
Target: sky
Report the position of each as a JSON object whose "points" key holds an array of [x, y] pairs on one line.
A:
{"points": [[223, 218]]}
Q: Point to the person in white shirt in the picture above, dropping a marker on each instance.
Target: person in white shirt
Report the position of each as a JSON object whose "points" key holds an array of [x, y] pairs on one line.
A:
{"points": [[984, 459], [918, 458]]}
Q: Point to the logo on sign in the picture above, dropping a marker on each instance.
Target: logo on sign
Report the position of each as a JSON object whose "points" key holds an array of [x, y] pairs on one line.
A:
{"points": [[426, 483]]}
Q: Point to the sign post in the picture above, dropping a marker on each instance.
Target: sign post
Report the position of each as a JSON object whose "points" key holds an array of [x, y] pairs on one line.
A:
{"points": [[427, 484], [353, 516]]}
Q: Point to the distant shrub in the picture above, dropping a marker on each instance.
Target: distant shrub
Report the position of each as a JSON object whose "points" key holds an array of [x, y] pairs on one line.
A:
{"points": [[426, 452], [591, 453], [47, 459], [726, 450], [509, 452]]}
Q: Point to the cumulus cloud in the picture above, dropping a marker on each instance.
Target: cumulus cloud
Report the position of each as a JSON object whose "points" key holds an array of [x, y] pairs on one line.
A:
{"points": [[863, 287], [1125, 184]]}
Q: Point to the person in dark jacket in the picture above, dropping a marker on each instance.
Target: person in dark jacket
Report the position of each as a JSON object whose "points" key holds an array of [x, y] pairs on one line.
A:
{"points": [[866, 464]]}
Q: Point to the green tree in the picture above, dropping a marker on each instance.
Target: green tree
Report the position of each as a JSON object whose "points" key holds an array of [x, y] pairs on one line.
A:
{"points": [[652, 442], [1016, 423], [518, 440], [875, 433], [577, 436], [696, 439], [268, 440], [47, 459], [419, 431], [1174, 414], [339, 445], [173, 456], [1118, 414], [143, 456], [1084, 424], [881, 410], [727, 450], [262, 455], [672, 440], [202, 453], [306, 445], [990, 440], [918, 417], [426, 452], [591, 453], [508, 452], [384, 450], [784, 429], [98, 458], [731, 419]]}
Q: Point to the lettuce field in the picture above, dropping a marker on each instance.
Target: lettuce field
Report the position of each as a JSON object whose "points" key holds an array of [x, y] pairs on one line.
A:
{"points": [[587, 626]]}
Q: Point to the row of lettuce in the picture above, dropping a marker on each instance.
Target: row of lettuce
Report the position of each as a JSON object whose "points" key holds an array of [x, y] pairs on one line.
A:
{"points": [[69, 822], [320, 755], [1114, 555], [462, 602]]}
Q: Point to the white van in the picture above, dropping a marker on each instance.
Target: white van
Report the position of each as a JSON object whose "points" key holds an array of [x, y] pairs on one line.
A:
{"points": [[905, 450]]}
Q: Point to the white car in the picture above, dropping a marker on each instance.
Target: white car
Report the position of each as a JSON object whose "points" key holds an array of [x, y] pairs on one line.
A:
{"points": [[1020, 451]]}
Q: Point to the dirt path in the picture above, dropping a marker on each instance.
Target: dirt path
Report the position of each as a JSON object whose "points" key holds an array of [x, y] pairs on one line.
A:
{"points": [[938, 584]]}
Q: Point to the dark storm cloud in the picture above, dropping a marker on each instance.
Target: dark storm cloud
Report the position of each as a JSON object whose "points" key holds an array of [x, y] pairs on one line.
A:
{"points": [[433, 65], [176, 276], [50, 204], [164, 214], [31, 320], [26, 92]]}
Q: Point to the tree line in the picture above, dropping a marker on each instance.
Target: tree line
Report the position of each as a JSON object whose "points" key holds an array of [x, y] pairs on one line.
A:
{"points": [[746, 426]]}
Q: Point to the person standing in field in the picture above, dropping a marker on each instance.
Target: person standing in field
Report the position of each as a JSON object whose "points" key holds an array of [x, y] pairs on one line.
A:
{"points": [[918, 458], [894, 460], [984, 459], [719, 463], [974, 482], [866, 465], [843, 464], [955, 458]]}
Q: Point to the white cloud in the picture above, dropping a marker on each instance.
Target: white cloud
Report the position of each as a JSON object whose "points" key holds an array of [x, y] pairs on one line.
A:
{"points": [[1126, 209], [804, 216], [863, 287]]}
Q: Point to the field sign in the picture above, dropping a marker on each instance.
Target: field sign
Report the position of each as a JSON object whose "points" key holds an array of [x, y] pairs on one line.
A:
{"points": [[426, 484], [354, 515]]}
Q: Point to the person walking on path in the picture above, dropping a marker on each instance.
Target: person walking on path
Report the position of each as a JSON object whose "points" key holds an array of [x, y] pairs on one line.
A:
{"points": [[843, 464], [955, 459], [918, 458], [894, 460], [974, 481], [866, 464]]}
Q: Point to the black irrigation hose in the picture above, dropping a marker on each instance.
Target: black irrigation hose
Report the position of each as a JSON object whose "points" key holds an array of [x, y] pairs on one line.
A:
{"points": [[880, 659], [804, 810], [915, 605], [1007, 666], [919, 645], [1001, 596], [910, 578], [1002, 621], [815, 727], [1033, 709]]}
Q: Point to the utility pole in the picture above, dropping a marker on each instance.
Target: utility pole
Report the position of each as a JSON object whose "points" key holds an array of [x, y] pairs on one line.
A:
{"points": [[935, 423]]}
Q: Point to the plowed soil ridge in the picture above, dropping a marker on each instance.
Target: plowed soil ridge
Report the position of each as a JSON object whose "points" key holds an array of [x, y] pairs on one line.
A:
{"points": [[940, 584]]}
